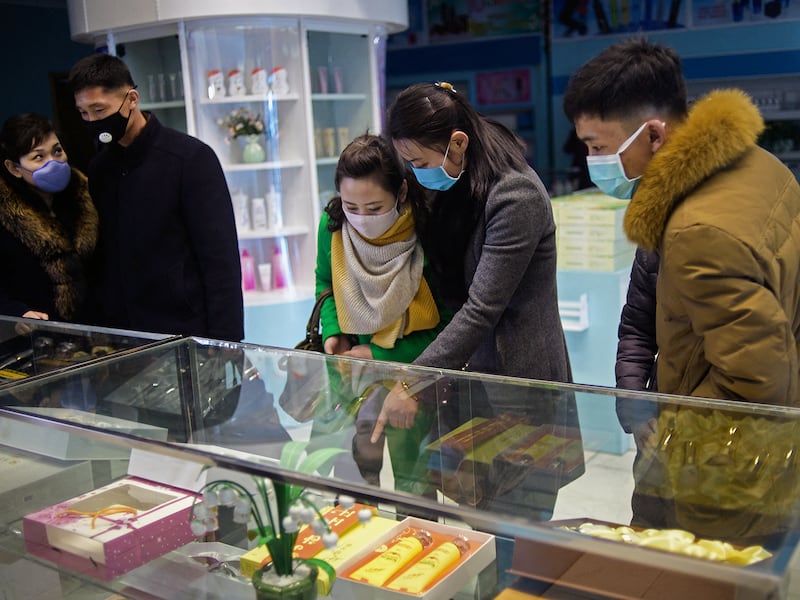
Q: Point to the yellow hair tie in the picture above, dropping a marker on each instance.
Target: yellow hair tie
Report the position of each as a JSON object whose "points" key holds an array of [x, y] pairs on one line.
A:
{"points": [[111, 510], [446, 86]]}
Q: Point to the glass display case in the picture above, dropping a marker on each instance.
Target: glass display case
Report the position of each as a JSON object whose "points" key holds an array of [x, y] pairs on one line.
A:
{"points": [[513, 465], [31, 347]]}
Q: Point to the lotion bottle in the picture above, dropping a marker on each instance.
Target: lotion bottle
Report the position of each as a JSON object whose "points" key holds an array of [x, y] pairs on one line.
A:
{"points": [[278, 271], [381, 568], [420, 575], [248, 271], [274, 208], [258, 209]]}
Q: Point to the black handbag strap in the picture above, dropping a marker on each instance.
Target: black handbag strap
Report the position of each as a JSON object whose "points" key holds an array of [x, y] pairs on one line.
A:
{"points": [[312, 328]]}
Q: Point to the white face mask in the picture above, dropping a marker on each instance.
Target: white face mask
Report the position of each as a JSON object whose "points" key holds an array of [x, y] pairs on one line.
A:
{"points": [[608, 173], [373, 226]]}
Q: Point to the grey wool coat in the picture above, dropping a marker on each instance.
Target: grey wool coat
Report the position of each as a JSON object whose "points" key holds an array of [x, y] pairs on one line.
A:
{"points": [[509, 324]]}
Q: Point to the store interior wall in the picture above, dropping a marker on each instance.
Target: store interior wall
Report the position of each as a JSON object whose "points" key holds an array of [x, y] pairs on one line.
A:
{"points": [[36, 48]]}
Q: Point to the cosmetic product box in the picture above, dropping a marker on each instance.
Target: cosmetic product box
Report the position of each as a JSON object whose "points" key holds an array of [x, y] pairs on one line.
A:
{"points": [[481, 554]]}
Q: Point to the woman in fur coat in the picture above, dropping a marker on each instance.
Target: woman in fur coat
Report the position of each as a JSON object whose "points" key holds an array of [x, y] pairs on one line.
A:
{"points": [[48, 224]]}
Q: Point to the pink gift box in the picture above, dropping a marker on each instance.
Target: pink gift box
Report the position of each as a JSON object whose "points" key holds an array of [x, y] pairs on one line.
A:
{"points": [[106, 544]]}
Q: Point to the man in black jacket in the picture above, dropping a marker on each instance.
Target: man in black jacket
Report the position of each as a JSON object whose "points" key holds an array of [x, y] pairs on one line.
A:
{"points": [[168, 245], [635, 370]]}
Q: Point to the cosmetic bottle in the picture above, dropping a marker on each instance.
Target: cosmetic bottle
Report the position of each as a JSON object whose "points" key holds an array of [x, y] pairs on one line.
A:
{"points": [[381, 568], [274, 208], [258, 210], [278, 270], [420, 575], [241, 210], [248, 271]]}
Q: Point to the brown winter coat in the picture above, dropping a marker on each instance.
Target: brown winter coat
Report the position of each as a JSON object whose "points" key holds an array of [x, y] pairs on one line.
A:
{"points": [[725, 216]]}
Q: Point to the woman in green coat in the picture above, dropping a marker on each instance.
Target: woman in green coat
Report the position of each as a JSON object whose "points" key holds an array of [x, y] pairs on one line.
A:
{"points": [[370, 255]]}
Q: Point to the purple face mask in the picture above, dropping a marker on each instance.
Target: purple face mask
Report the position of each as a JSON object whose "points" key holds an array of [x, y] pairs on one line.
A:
{"points": [[52, 177]]}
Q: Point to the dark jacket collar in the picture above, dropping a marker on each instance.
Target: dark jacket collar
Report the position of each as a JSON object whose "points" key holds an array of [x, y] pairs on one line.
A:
{"points": [[136, 151]]}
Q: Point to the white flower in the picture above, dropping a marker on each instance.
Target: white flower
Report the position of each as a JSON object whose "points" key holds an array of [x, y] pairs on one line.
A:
{"points": [[307, 514], [198, 528], [330, 539], [290, 525], [201, 511], [318, 526], [241, 511], [347, 502], [210, 498], [228, 496], [364, 515]]}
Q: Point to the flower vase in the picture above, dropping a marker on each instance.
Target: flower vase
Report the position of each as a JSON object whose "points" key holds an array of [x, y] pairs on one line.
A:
{"points": [[302, 585], [253, 151]]}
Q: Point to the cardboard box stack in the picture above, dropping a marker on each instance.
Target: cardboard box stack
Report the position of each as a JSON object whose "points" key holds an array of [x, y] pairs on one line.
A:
{"points": [[589, 233]]}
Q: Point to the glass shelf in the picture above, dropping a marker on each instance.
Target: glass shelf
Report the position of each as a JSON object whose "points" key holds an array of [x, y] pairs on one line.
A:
{"points": [[162, 105], [335, 97], [249, 98], [262, 234], [263, 166]]}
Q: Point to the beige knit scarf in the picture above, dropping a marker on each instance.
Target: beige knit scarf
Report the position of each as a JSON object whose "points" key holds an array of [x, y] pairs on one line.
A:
{"points": [[378, 285]]}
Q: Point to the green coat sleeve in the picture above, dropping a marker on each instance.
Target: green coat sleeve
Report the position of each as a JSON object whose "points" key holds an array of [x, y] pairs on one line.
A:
{"points": [[324, 279]]}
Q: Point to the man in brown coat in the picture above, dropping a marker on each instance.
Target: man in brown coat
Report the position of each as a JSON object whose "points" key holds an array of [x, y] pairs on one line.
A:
{"points": [[724, 216]]}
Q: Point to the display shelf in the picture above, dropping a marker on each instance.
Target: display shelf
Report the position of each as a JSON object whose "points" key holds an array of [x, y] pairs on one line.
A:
{"points": [[289, 294], [263, 166], [778, 99], [781, 115], [155, 106], [574, 313], [262, 234], [499, 477], [250, 98], [337, 97], [343, 95]]}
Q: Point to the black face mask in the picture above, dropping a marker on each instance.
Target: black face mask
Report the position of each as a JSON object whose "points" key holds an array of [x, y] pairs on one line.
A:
{"points": [[110, 129]]}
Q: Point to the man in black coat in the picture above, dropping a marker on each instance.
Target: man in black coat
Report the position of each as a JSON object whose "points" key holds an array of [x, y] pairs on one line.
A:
{"points": [[168, 247], [635, 370]]}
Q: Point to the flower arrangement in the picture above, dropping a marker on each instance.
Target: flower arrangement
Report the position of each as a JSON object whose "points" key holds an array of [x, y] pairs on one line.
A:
{"points": [[277, 516], [242, 122]]}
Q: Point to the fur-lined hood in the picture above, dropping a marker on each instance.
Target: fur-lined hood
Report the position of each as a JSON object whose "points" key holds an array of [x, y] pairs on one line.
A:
{"points": [[60, 242], [719, 130]]}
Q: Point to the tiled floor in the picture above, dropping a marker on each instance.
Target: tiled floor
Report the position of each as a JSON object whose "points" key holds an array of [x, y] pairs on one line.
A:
{"points": [[603, 492]]}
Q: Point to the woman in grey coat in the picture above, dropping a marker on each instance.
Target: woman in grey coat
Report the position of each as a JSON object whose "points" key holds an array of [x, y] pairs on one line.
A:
{"points": [[492, 251]]}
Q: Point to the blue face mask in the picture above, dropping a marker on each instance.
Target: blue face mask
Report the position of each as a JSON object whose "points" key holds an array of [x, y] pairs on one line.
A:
{"points": [[608, 173], [52, 177], [436, 178]]}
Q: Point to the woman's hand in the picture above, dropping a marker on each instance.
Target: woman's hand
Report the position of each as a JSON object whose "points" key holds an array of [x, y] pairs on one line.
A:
{"points": [[337, 344], [360, 351], [25, 329], [35, 314], [399, 410]]}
